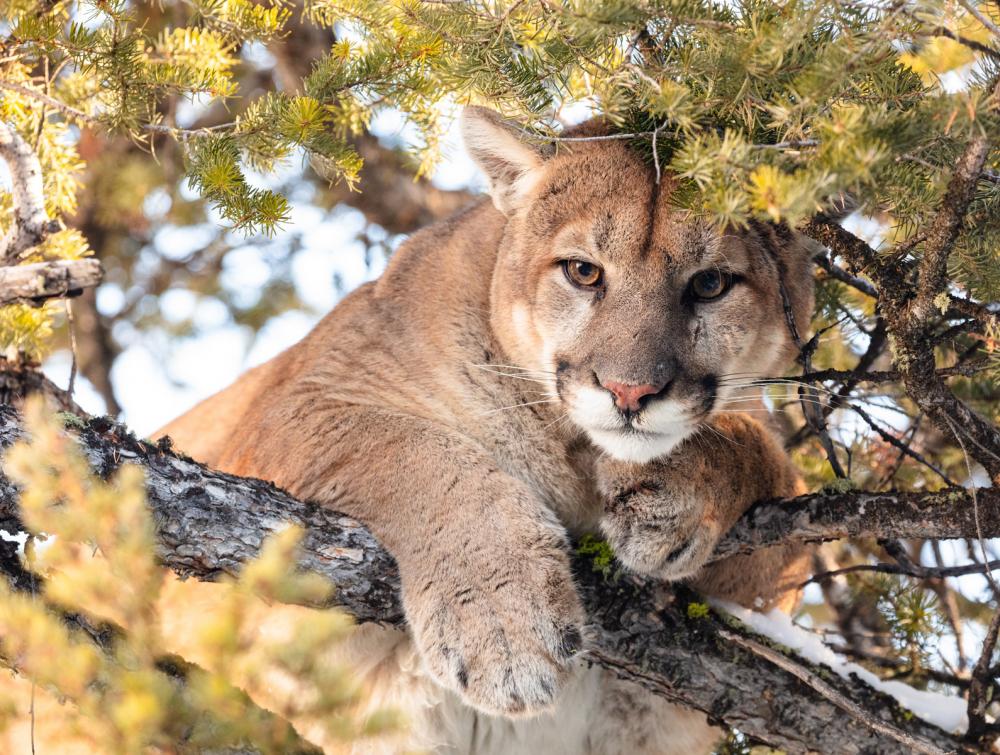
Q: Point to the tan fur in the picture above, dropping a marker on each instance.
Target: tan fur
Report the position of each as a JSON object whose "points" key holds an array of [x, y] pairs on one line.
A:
{"points": [[455, 406]]}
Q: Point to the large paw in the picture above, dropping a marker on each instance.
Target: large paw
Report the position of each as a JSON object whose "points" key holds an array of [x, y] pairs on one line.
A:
{"points": [[499, 631], [658, 523]]}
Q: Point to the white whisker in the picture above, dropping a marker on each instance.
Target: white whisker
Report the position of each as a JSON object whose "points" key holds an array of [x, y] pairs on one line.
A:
{"points": [[558, 421], [516, 406]]}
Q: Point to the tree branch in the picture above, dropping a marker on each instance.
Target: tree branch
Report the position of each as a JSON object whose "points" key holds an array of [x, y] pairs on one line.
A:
{"points": [[946, 225], [210, 523], [916, 570], [44, 280], [29, 227], [818, 517], [912, 345], [31, 223]]}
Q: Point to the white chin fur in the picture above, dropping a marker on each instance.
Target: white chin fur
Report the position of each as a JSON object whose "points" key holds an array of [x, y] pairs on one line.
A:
{"points": [[634, 446], [658, 430]]}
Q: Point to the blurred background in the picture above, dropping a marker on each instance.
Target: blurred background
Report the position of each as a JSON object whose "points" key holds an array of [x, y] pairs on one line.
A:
{"points": [[187, 306]]}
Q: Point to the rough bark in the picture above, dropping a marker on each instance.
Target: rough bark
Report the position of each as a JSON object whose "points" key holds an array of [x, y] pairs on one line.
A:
{"points": [[816, 517], [46, 280], [913, 350], [18, 380], [210, 523], [31, 223]]}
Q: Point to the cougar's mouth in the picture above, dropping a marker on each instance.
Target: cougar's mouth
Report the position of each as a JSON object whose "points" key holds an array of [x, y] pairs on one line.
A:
{"points": [[629, 436]]}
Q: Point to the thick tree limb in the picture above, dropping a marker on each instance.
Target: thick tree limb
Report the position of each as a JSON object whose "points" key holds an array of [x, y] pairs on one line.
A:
{"points": [[210, 523], [39, 281]]}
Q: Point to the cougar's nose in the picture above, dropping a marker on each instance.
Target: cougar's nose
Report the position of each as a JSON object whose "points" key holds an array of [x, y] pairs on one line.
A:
{"points": [[630, 398]]}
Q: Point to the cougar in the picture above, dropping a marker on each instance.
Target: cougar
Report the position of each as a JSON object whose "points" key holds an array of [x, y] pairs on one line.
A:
{"points": [[575, 354]]}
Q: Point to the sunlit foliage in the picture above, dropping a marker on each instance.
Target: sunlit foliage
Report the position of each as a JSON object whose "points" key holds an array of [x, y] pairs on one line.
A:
{"points": [[93, 550]]}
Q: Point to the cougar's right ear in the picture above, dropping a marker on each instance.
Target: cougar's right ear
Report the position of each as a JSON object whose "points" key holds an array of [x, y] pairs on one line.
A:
{"points": [[512, 164]]}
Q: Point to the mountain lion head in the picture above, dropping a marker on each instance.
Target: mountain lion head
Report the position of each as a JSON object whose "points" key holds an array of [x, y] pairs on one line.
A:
{"points": [[643, 319]]}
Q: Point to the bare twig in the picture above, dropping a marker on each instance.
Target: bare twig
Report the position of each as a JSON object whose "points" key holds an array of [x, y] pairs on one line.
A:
{"points": [[71, 327], [949, 604], [907, 324], [52, 102], [843, 276], [913, 570], [82, 117], [900, 446], [808, 396], [901, 667], [943, 31], [975, 310], [981, 17], [880, 376]]}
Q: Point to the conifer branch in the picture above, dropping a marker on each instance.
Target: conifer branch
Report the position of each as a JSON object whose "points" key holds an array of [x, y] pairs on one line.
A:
{"points": [[85, 118], [105, 635]]}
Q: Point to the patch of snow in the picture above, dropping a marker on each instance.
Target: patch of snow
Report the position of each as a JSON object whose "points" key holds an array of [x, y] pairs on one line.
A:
{"points": [[949, 713], [18, 537]]}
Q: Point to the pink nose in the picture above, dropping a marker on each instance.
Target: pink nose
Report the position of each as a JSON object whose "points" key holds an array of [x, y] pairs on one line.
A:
{"points": [[629, 397]]}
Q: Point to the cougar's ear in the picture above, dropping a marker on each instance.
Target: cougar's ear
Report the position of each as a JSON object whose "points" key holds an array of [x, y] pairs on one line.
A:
{"points": [[511, 163]]}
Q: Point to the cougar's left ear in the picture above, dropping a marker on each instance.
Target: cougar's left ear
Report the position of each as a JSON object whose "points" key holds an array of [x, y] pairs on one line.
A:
{"points": [[512, 165]]}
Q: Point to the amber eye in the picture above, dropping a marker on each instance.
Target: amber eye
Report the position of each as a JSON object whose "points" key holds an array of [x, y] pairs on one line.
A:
{"points": [[583, 274], [710, 284]]}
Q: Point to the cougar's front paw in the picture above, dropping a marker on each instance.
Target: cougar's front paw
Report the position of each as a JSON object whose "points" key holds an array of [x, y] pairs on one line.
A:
{"points": [[658, 524], [501, 634]]}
